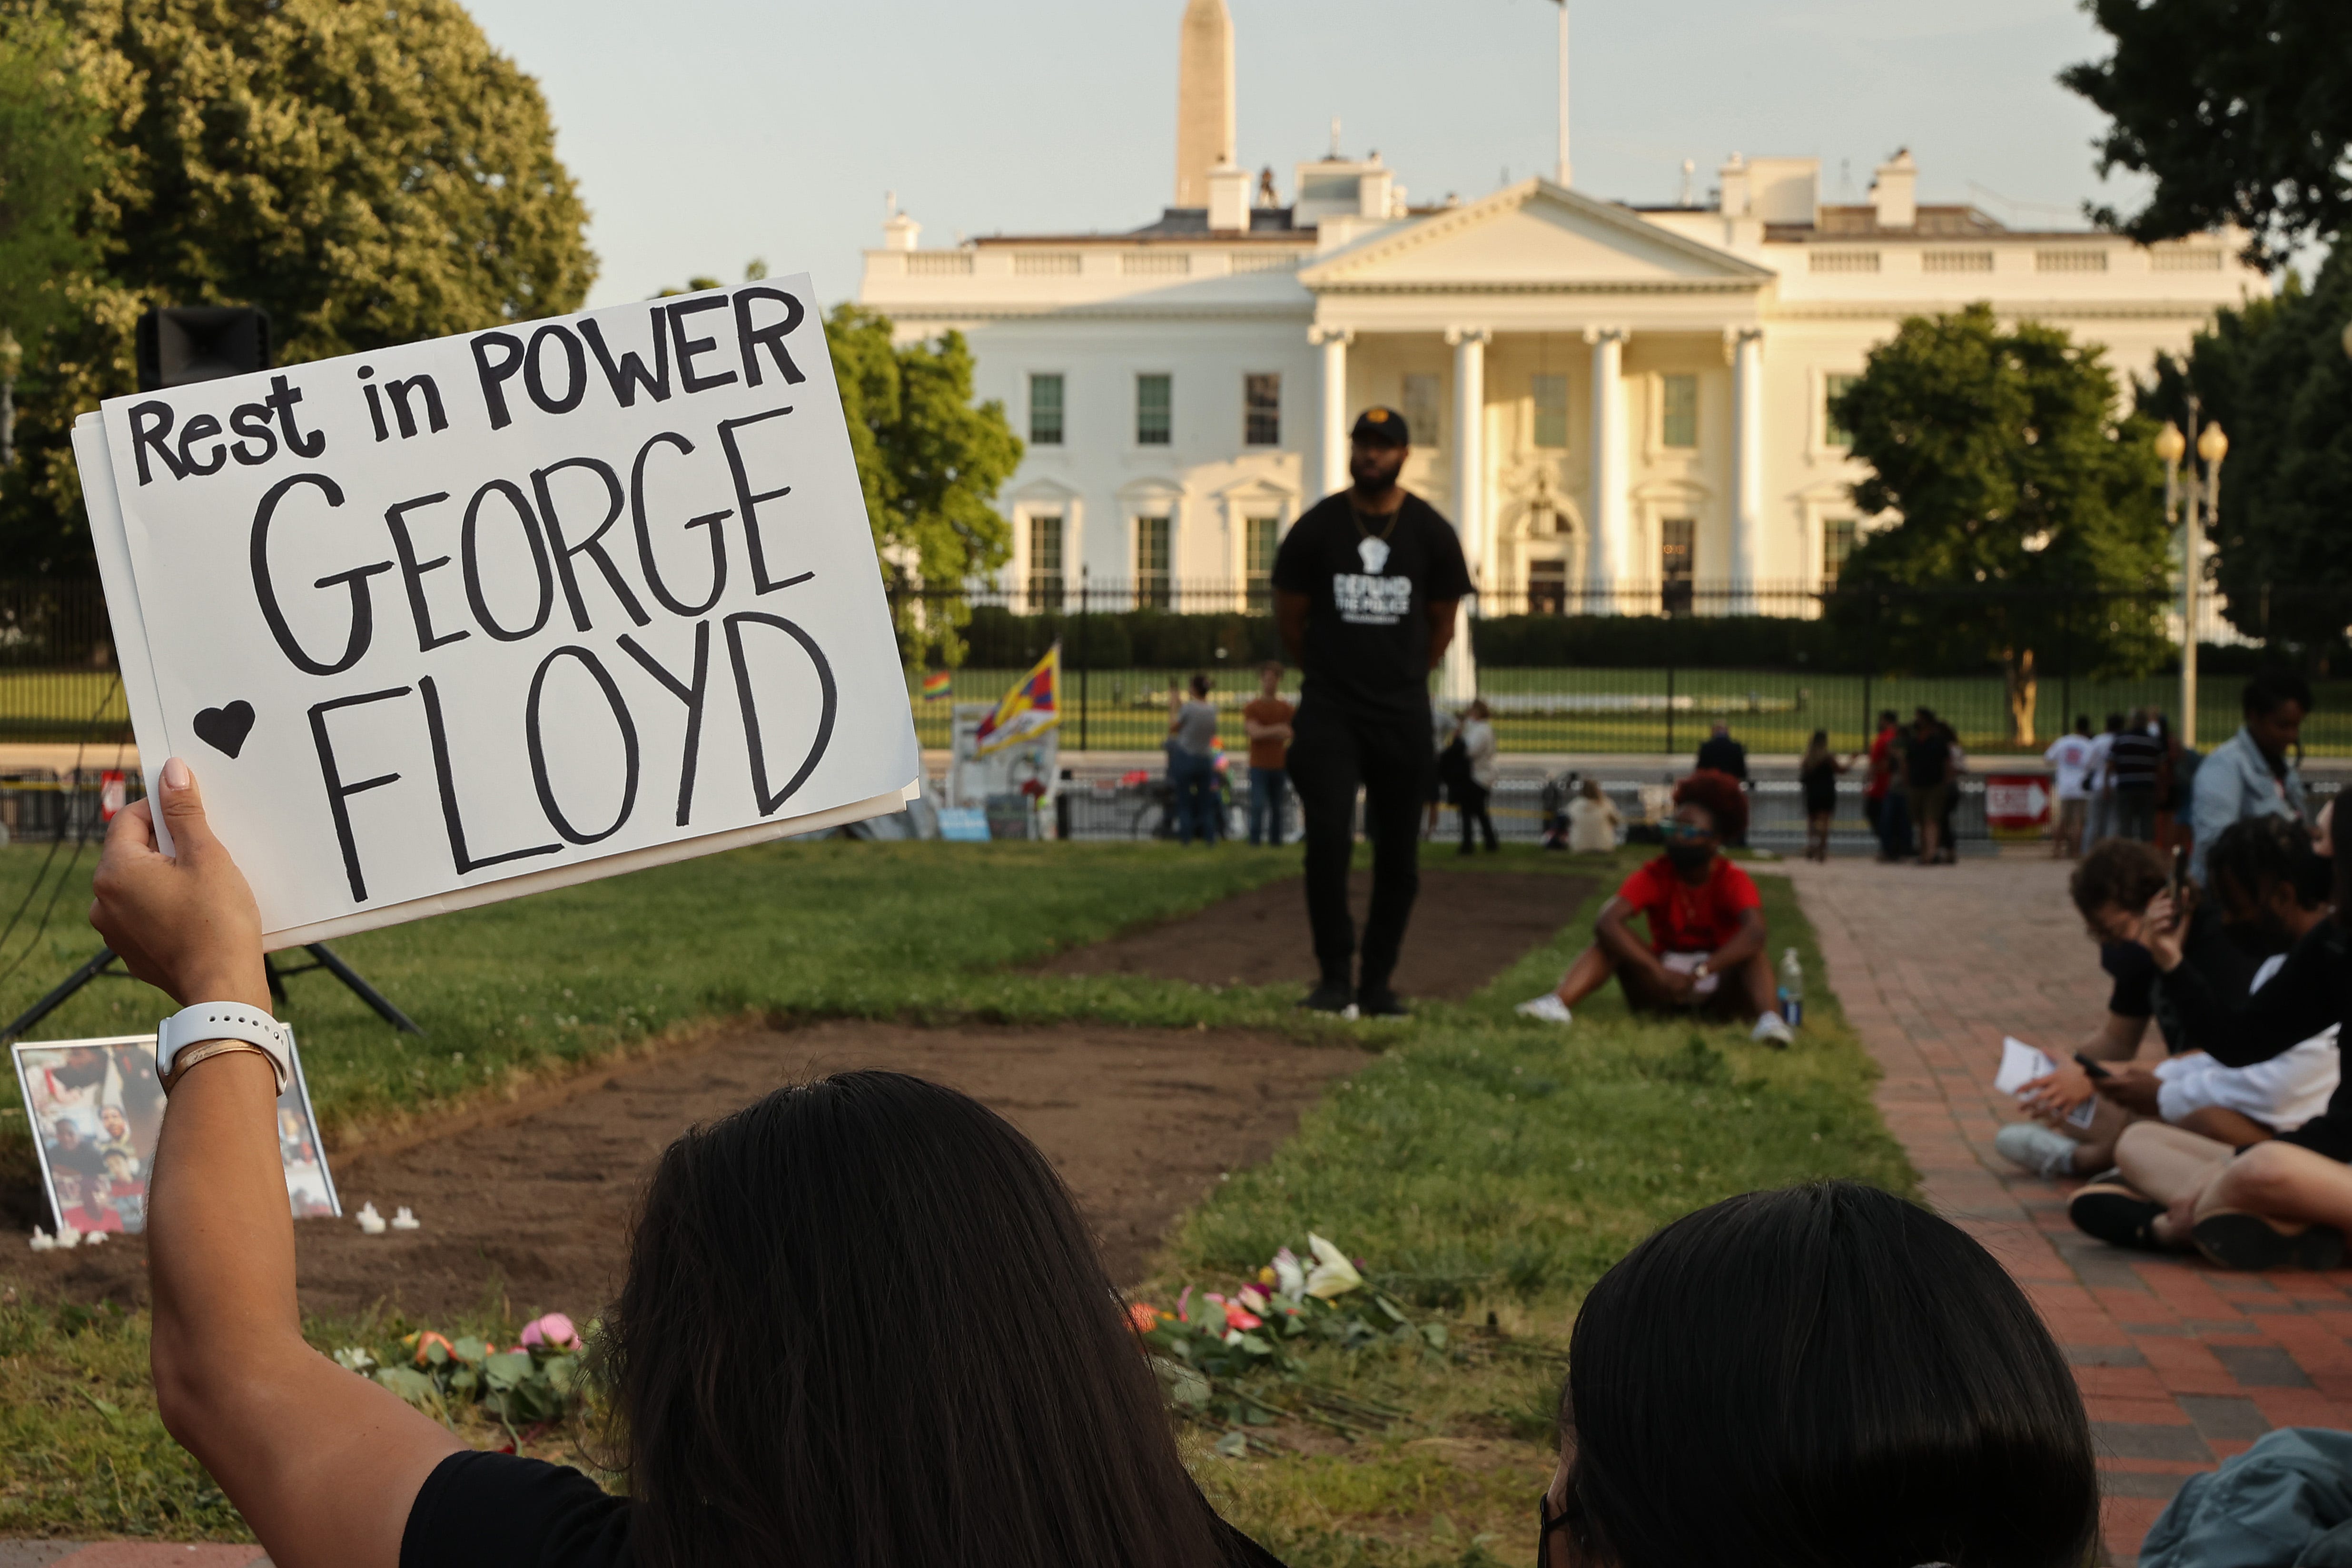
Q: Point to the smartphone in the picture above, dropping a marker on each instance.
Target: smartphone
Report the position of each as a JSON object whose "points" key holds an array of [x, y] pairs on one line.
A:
{"points": [[2095, 1069]]}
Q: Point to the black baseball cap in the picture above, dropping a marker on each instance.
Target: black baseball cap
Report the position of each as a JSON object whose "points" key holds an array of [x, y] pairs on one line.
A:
{"points": [[1380, 426]]}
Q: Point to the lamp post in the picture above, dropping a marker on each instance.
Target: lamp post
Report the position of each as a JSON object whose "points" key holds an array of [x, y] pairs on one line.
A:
{"points": [[2201, 489]]}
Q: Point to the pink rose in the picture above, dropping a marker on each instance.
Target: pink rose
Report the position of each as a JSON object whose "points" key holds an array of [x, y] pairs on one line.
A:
{"points": [[553, 1330]]}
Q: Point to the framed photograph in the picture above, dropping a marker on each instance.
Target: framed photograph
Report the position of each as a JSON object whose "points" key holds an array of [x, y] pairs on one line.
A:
{"points": [[96, 1107]]}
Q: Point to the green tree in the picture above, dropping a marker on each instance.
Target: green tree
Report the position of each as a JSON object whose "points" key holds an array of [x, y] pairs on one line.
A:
{"points": [[2001, 452], [2240, 109], [49, 142], [2274, 374], [367, 174], [931, 462]]}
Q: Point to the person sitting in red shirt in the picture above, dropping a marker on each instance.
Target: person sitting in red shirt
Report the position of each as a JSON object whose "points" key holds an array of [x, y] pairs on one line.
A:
{"points": [[1706, 946]]}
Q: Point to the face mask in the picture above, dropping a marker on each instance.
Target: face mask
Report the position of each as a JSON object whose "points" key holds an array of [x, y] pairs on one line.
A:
{"points": [[1690, 859]]}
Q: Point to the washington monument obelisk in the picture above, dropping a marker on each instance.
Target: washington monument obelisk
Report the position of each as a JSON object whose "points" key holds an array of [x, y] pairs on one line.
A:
{"points": [[1205, 99]]}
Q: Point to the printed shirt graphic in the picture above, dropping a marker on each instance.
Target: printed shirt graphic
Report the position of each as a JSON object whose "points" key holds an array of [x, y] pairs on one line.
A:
{"points": [[1367, 644]]}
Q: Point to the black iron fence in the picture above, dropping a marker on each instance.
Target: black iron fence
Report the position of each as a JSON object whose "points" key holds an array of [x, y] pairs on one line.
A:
{"points": [[1639, 669], [1645, 668]]}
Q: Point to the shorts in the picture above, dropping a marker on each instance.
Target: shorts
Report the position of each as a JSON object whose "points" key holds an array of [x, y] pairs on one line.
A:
{"points": [[2071, 816], [1712, 998]]}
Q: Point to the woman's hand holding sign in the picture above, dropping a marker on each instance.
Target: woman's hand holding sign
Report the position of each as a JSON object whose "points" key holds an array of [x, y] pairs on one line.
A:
{"points": [[184, 923]]}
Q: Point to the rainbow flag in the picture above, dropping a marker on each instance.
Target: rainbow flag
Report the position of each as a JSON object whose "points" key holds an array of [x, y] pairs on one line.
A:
{"points": [[939, 686], [1030, 708]]}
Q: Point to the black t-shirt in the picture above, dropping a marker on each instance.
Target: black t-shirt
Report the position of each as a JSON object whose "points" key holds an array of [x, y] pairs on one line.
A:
{"points": [[2134, 972], [495, 1511], [1926, 760], [1368, 583], [1724, 755], [2228, 971]]}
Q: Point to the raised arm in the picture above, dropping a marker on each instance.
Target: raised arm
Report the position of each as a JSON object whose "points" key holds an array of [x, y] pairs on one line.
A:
{"points": [[324, 1464]]}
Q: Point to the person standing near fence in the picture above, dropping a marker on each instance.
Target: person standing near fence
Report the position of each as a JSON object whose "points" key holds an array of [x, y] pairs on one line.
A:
{"points": [[1928, 775], [2252, 774], [1478, 756], [2099, 781], [2068, 757], [1367, 586], [1266, 723], [1194, 798], [1883, 798], [2135, 759]]}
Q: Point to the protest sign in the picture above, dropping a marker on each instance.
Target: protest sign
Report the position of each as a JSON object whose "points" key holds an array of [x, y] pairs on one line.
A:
{"points": [[457, 620]]}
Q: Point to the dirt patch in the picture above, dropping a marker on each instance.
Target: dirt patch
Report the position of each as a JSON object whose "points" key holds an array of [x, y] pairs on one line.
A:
{"points": [[1467, 927], [1140, 1122]]}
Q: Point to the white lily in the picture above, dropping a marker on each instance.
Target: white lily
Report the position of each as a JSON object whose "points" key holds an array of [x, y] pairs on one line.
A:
{"points": [[1332, 1275], [69, 1237], [42, 1241], [403, 1220], [94, 1237], [1288, 1278], [370, 1222]]}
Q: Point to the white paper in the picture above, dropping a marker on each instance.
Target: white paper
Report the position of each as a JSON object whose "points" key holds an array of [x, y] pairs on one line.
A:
{"points": [[1684, 963], [383, 557], [2021, 1064]]}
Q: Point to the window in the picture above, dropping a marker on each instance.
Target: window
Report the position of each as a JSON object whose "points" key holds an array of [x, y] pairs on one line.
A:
{"points": [[1547, 587], [1154, 419], [1679, 410], [1551, 410], [1046, 410], [1151, 562], [1262, 409], [1044, 562], [1837, 543], [1677, 538], [1420, 411], [1833, 387], [1259, 537]]}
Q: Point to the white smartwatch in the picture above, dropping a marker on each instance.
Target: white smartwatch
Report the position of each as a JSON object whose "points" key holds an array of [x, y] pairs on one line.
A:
{"points": [[179, 1038]]}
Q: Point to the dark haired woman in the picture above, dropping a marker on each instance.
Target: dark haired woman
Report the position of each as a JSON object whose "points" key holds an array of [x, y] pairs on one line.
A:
{"points": [[793, 1383], [1824, 1374], [1817, 776], [1707, 945]]}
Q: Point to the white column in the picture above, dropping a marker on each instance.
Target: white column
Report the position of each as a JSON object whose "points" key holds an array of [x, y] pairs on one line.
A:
{"points": [[1609, 556], [1747, 347], [1335, 342], [1470, 448]]}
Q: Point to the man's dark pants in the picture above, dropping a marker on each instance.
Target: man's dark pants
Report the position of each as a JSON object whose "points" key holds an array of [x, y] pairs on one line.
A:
{"points": [[1390, 757]]}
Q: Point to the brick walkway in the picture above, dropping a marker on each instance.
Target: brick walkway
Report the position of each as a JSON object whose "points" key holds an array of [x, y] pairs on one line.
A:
{"points": [[2180, 1366], [126, 1555]]}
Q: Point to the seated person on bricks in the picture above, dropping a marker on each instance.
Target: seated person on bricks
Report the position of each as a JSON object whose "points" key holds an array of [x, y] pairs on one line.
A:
{"points": [[1707, 945]]}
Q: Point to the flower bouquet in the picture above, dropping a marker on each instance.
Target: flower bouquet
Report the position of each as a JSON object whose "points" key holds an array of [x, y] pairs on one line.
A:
{"points": [[535, 1381], [1209, 1343]]}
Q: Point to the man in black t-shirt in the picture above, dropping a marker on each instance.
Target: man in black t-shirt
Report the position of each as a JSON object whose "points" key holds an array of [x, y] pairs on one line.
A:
{"points": [[1366, 587], [1927, 775]]}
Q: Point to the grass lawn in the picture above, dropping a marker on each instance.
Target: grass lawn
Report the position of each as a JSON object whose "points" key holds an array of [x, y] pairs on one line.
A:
{"points": [[1483, 1165]]}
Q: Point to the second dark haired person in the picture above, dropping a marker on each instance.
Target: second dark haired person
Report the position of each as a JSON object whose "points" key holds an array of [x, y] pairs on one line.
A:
{"points": [[1366, 585]]}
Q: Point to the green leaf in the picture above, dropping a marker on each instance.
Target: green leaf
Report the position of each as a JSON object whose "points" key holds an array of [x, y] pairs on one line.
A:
{"points": [[1234, 1446]]}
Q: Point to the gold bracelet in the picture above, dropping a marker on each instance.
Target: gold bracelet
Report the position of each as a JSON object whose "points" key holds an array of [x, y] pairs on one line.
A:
{"points": [[211, 1048]]}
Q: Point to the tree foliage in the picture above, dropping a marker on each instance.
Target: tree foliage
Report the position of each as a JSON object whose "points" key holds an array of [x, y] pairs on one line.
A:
{"points": [[50, 160], [931, 463], [2240, 109], [2274, 374], [367, 174], [2001, 452]]}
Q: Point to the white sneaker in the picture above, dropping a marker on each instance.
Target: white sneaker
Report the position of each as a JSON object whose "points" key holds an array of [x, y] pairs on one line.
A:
{"points": [[2035, 1147], [1773, 1029], [1547, 1006]]}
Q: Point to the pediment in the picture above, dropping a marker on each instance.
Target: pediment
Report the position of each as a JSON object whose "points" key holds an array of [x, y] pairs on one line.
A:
{"points": [[1534, 234]]}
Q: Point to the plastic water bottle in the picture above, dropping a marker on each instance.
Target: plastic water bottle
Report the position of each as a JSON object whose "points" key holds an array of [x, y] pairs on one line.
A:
{"points": [[1792, 987]]}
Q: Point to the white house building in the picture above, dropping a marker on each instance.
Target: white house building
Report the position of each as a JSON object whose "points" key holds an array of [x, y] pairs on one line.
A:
{"points": [[1609, 399]]}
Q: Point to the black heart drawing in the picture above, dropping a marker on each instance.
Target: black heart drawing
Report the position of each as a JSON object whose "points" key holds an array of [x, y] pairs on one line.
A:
{"points": [[225, 728]]}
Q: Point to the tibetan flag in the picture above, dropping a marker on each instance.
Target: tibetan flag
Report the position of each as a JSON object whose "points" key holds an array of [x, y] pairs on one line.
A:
{"points": [[939, 686], [1030, 708]]}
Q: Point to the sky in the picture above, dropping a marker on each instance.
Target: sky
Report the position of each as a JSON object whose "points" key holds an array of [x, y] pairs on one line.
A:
{"points": [[703, 133]]}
